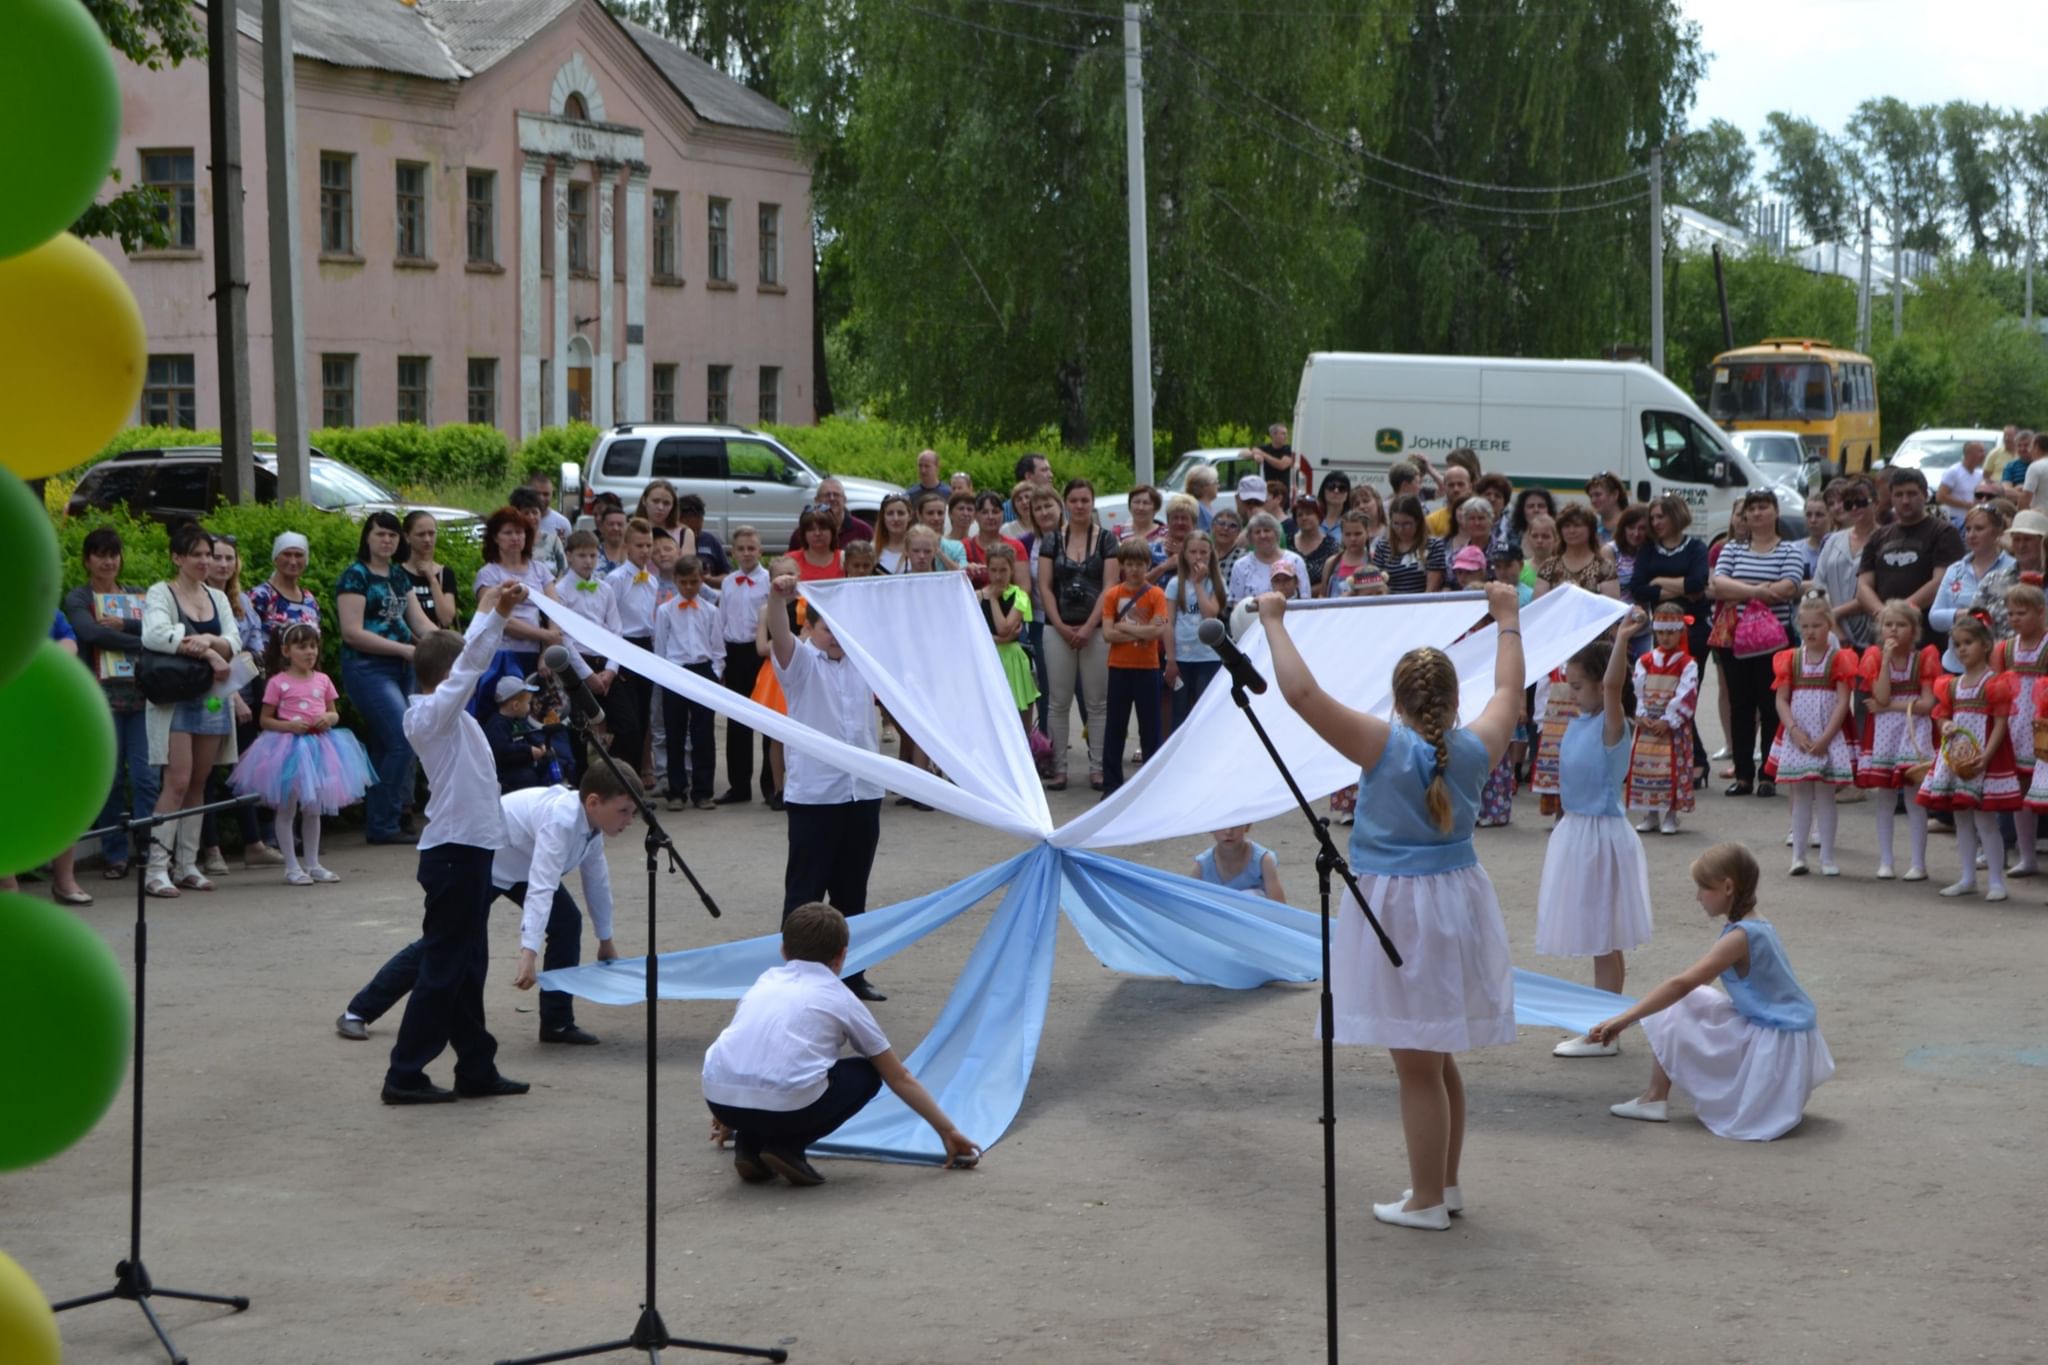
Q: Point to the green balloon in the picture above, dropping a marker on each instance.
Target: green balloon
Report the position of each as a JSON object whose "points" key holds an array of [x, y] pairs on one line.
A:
{"points": [[66, 1014], [28, 558], [58, 73], [60, 738]]}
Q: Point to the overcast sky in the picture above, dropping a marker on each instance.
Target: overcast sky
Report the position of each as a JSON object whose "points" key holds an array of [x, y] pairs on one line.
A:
{"points": [[1820, 58]]}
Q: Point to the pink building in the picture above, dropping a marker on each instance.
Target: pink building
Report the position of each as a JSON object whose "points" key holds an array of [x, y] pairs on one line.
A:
{"points": [[516, 212]]}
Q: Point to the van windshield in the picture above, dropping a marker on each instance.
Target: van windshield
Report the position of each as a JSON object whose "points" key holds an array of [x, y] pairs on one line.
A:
{"points": [[1781, 391]]}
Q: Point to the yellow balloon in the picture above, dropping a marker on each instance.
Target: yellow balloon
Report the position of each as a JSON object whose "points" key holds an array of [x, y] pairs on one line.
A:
{"points": [[28, 1329], [72, 355]]}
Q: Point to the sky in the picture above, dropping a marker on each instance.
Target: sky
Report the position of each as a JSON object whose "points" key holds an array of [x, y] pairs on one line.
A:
{"points": [[1820, 58]]}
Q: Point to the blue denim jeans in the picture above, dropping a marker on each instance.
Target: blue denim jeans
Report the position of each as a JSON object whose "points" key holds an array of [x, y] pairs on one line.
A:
{"points": [[131, 736], [378, 687]]}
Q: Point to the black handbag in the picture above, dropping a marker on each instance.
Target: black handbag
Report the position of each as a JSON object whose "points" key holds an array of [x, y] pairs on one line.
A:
{"points": [[167, 679]]}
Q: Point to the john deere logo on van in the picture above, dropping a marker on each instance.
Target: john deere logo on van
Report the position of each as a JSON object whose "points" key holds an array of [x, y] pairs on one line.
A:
{"points": [[1388, 442]]}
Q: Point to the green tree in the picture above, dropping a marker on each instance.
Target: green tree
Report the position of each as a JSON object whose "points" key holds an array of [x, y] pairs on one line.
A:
{"points": [[1916, 382], [1712, 169], [1810, 171], [1899, 169], [151, 33], [1768, 296]]}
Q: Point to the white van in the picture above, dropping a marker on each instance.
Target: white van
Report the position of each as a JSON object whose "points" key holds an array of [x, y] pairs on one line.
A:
{"points": [[1543, 423]]}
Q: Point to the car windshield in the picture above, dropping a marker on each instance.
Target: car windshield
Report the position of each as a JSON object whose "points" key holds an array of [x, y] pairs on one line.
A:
{"points": [[1778, 450], [336, 485], [1930, 454], [1779, 391]]}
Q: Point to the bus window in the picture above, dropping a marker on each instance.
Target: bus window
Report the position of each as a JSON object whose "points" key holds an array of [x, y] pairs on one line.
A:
{"points": [[1782, 390]]}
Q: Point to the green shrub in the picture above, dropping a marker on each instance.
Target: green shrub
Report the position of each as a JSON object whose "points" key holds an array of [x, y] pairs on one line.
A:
{"points": [[863, 448], [550, 447]]}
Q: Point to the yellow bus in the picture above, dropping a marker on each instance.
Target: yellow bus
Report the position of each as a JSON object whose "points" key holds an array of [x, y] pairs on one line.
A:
{"points": [[1825, 394]]}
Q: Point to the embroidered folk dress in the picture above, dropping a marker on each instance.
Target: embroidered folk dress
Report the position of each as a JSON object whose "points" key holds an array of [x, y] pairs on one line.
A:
{"points": [[1812, 684], [1965, 711], [1894, 742], [1660, 766], [2027, 666]]}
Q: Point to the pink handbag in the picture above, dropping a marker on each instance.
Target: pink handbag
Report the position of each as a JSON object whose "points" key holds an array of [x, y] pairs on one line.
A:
{"points": [[1757, 631]]}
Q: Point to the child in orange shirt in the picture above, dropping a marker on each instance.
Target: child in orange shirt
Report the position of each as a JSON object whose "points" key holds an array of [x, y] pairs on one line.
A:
{"points": [[1134, 622]]}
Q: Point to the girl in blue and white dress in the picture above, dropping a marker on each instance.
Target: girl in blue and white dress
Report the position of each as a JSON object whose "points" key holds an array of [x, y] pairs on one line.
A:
{"points": [[1594, 900], [1411, 846], [1239, 863], [1750, 1058]]}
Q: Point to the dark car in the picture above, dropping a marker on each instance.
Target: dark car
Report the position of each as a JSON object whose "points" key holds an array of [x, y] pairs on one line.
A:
{"points": [[181, 483]]}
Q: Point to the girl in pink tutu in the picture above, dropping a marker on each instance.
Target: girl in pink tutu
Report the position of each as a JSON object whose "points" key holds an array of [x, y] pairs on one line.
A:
{"points": [[1750, 1058], [303, 764]]}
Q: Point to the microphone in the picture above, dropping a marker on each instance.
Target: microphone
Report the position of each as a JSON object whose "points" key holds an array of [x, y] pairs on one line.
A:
{"points": [[1216, 635], [583, 704]]}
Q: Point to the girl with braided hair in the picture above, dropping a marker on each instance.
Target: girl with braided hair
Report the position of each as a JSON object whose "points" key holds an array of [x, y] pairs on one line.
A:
{"points": [[1411, 846]]}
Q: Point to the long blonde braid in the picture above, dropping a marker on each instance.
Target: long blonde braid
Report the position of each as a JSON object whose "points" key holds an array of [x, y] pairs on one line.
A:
{"points": [[1426, 694]]}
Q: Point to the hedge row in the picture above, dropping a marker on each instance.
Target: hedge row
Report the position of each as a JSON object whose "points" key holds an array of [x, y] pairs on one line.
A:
{"points": [[400, 453]]}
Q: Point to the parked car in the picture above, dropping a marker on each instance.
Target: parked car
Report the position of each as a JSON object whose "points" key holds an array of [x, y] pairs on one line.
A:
{"points": [[1781, 457], [1231, 465], [181, 483], [746, 477], [1933, 449]]}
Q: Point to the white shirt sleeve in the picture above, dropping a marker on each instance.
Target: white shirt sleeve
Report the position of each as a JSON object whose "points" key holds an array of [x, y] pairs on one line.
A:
{"points": [[551, 841], [597, 887], [480, 646]]}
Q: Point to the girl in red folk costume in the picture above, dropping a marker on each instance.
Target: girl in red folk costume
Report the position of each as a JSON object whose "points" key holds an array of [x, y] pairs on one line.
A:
{"points": [[2022, 654], [1973, 773], [1812, 754], [1898, 738], [1667, 689], [1554, 710]]}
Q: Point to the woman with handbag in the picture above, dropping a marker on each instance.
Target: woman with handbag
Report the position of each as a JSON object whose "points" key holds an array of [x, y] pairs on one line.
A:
{"points": [[1072, 580], [189, 636], [1761, 577]]}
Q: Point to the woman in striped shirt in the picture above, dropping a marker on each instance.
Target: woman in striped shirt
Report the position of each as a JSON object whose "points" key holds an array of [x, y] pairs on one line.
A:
{"points": [[1411, 558], [1763, 569]]}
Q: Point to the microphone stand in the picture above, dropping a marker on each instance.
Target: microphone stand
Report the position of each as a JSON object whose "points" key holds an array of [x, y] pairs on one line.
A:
{"points": [[650, 1333], [1329, 861], [131, 1279]]}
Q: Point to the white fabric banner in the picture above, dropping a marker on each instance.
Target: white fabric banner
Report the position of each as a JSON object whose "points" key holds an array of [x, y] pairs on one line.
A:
{"points": [[1213, 773]]}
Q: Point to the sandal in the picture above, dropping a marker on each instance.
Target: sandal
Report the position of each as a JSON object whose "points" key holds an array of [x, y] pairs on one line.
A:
{"points": [[115, 872], [80, 898], [195, 880], [157, 884], [1056, 784], [1095, 782]]}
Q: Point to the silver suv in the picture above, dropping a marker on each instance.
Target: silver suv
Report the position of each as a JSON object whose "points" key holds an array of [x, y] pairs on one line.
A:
{"points": [[746, 477]]}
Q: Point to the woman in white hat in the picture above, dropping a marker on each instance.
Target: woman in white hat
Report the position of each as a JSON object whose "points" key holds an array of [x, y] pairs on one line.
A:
{"points": [[2024, 541]]}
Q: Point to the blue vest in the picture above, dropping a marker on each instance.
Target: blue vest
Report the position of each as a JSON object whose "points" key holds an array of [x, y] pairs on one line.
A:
{"points": [[1589, 773], [1769, 995], [1393, 835], [1253, 878]]}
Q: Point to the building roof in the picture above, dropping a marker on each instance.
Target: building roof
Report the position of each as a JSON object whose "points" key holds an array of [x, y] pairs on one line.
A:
{"points": [[453, 40]]}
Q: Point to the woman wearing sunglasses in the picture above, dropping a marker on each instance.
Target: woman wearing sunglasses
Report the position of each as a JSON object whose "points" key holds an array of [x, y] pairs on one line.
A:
{"points": [[1842, 552]]}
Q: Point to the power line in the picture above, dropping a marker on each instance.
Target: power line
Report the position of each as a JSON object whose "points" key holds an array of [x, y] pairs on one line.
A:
{"points": [[1001, 32]]}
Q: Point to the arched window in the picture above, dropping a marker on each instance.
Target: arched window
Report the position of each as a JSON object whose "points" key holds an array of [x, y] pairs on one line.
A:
{"points": [[574, 108]]}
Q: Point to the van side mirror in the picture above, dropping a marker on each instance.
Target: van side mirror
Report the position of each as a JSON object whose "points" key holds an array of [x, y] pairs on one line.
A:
{"points": [[1720, 474], [569, 482]]}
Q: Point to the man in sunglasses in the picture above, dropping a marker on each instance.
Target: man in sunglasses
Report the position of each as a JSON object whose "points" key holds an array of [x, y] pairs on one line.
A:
{"points": [[1905, 559]]}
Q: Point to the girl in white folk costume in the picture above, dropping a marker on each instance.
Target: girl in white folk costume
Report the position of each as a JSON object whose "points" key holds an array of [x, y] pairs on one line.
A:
{"points": [[2024, 656], [1898, 677], [1812, 754], [1411, 846], [1594, 900], [1751, 1058], [1667, 689], [1973, 773]]}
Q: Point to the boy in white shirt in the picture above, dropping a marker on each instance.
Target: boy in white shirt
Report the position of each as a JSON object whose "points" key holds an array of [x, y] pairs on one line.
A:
{"points": [[688, 635], [739, 612], [774, 1080], [636, 592]]}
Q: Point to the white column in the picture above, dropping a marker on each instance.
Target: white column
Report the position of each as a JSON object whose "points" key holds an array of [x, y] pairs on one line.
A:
{"points": [[634, 379], [602, 180], [529, 292], [558, 377]]}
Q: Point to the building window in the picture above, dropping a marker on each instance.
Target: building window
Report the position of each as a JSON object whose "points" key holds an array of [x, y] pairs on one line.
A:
{"points": [[771, 244], [720, 265], [337, 204], [667, 259], [413, 374], [771, 393], [337, 390], [664, 404], [483, 391], [579, 228], [170, 395], [483, 217], [574, 108], [169, 173], [412, 211], [718, 393]]}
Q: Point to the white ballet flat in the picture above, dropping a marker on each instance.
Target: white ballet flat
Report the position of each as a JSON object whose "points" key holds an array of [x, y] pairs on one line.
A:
{"points": [[1798, 867], [1915, 874], [1958, 888], [1996, 893], [1830, 870], [1583, 1046], [1646, 824], [1437, 1219], [1788, 838], [1885, 872], [2023, 870], [1668, 825], [1649, 1111], [1454, 1199]]}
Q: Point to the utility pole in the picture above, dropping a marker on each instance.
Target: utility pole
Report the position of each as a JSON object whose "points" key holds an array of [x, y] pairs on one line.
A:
{"points": [[1898, 283], [2030, 268], [281, 191], [230, 289], [1141, 287], [1657, 259], [1863, 288]]}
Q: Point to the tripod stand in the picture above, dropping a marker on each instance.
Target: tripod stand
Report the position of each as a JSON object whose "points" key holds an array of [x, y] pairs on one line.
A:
{"points": [[650, 1333], [1329, 861], [131, 1279]]}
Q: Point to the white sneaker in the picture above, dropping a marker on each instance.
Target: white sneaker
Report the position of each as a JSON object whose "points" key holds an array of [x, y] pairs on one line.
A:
{"points": [[1582, 1046], [1830, 870], [1437, 1219], [1915, 874], [1798, 868], [321, 874], [1649, 1111], [1669, 824], [1647, 823], [1966, 888], [1884, 872], [1454, 1198]]}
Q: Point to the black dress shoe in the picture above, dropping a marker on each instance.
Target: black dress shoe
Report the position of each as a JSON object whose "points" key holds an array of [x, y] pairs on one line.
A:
{"points": [[502, 1085], [775, 801], [425, 1094], [792, 1166], [748, 1166], [1736, 789], [735, 797], [572, 1035], [355, 1030], [1766, 789], [860, 987]]}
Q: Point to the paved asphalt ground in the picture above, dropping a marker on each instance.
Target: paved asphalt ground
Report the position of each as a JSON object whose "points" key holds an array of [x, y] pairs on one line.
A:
{"points": [[1159, 1197]]}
